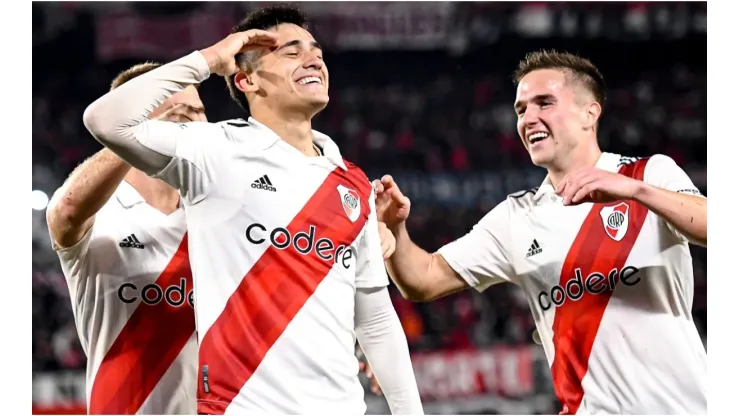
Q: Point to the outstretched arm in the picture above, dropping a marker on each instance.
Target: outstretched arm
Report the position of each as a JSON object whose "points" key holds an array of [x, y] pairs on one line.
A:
{"points": [[420, 276], [478, 259]]}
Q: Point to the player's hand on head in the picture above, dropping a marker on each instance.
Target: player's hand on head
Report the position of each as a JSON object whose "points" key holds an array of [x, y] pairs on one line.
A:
{"points": [[596, 185], [391, 205], [387, 240], [221, 56]]}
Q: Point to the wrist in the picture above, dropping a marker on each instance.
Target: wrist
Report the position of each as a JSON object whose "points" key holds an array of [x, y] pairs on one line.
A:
{"points": [[641, 189], [398, 229], [211, 59]]}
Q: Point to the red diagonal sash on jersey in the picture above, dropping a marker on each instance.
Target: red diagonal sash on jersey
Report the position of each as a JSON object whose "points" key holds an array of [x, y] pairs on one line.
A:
{"points": [[577, 322], [146, 346], [272, 293]]}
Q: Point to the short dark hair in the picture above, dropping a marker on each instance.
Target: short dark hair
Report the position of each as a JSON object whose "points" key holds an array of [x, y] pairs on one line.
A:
{"points": [[132, 73], [263, 19], [577, 69]]}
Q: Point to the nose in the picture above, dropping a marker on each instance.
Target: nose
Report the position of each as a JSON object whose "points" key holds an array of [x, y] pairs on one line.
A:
{"points": [[530, 116], [313, 62]]}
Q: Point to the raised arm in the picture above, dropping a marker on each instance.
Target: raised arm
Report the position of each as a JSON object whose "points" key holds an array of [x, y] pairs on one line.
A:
{"points": [[72, 209], [119, 119]]}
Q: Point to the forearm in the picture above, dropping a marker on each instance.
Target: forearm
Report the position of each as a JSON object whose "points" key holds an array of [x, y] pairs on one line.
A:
{"points": [[687, 213], [117, 120], [72, 209], [409, 266], [383, 341]]}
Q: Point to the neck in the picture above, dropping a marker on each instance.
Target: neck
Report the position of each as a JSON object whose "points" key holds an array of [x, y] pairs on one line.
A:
{"points": [[578, 158], [295, 129], [155, 192]]}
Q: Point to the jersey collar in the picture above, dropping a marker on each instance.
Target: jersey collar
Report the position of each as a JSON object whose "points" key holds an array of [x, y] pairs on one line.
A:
{"points": [[327, 145], [127, 195], [607, 161]]}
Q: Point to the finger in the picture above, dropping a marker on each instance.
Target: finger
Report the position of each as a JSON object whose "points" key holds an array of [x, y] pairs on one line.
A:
{"points": [[396, 194], [584, 194], [561, 186], [375, 388], [404, 202], [194, 114], [568, 187], [576, 188], [362, 366], [567, 193], [378, 186], [388, 181], [258, 40], [384, 245], [261, 36], [388, 252]]}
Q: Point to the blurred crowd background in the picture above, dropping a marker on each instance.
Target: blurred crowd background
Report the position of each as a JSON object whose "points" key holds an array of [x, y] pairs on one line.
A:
{"points": [[419, 90]]}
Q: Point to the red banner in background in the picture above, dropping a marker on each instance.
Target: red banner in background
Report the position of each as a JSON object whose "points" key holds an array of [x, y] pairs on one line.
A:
{"points": [[77, 409], [500, 371], [512, 379], [357, 25], [123, 36]]}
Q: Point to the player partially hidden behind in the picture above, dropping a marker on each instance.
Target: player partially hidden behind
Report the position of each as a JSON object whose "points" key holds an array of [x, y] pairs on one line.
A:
{"points": [[120, 236], [283, 236], [121, 239], [601, 250]]}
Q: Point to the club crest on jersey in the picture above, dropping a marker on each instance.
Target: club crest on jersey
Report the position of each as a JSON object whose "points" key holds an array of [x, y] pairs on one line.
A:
{"points": [[616, 220], [350, 202]]}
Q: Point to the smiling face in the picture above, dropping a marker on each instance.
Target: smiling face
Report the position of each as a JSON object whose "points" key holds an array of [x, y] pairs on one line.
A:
{"points": [[291, 77], [553, 115]]}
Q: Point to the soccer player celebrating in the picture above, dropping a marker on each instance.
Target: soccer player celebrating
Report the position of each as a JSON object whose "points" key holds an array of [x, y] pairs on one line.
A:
{"points": [[600, 249], [120, 237], [283, 237]]}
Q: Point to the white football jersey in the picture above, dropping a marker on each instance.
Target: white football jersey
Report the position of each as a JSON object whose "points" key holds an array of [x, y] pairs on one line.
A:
{"points": [[131, 290], [279, 243], [610, 287]]}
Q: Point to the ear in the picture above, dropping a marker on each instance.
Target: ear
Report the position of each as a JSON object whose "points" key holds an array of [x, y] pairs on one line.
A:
{"points": [[246, 82], [591, 115]]}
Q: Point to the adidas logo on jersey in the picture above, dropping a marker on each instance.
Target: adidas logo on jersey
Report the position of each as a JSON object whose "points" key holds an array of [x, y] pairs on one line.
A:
{"points": [[264, 183], [131, 242], [534, 249]]}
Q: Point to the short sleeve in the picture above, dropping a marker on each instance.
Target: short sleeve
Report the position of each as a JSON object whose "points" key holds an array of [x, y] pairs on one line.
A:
{"points": [[481, 256], [200, 150], [370, 267], [663, 172], [75, 262], [76, 253]]}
